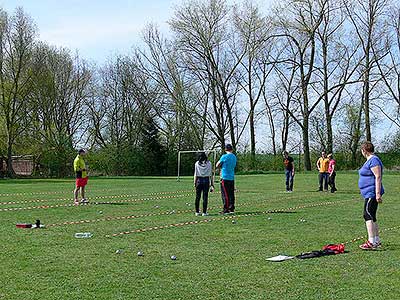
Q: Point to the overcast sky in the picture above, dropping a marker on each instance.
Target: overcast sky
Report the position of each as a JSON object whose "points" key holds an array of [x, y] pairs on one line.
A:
{"points": [[97, 28]]}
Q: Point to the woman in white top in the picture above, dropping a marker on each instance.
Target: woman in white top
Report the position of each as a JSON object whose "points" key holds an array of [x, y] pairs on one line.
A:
{"points": [[202, 182]]}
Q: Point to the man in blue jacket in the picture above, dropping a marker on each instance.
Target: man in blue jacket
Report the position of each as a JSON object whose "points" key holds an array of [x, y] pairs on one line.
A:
{"points": [[227, 163]]}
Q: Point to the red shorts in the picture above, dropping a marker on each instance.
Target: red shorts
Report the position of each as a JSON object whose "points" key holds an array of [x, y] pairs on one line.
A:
{"points": [[81, 182]]}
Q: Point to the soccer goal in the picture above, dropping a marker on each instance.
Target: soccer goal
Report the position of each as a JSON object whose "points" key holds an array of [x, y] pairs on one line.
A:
{"points": [[208, 152]]}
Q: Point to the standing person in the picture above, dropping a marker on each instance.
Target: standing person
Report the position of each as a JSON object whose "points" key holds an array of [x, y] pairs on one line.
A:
{"points": [[322, 166], [288, 161], [227, 163], [202, 181], [332, 173], [371, 188], [81, 177]]}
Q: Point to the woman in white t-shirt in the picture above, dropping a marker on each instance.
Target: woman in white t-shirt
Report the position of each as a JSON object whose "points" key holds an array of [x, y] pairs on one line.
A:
{"points": [[202, 182]]}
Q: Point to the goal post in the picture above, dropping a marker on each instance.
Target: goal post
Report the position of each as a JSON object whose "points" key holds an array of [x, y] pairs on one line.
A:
{"points": [[208, 152]]}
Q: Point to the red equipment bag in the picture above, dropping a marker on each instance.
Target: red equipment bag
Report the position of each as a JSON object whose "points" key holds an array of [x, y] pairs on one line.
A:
{"points": [[337, 248]]}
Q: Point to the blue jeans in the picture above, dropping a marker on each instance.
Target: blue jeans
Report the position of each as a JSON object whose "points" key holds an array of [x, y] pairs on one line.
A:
{"points": [[323, 180], [289, 180]]}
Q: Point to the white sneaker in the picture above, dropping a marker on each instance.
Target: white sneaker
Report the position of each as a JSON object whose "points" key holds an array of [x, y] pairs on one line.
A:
{"points": [[205, 214], [84, 201], [197, 214]]}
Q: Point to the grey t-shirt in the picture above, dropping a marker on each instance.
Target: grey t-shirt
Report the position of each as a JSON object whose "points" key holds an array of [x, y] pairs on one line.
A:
{"points": [[203, 169]]}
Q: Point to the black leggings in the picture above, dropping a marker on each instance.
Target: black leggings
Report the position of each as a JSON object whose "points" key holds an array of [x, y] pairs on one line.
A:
{"points": [[202, 186], [370, 208]]}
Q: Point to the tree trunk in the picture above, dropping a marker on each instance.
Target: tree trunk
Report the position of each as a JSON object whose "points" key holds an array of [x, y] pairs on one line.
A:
{"points": [[10, 169], [252, 138], [306, 144]]}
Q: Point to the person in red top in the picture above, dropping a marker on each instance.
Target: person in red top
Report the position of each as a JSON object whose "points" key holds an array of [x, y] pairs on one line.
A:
{"points": [[332, 173]]}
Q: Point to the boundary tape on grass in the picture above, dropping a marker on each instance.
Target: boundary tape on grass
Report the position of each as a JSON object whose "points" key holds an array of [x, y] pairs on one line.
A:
{"points": [[95, 197], [115, 218], [94, 203], [365, 237], [225, 218]]}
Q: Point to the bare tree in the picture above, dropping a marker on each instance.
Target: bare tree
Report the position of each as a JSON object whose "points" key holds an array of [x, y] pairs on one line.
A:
{"points": [[17, 39], [366, 17], [301, 32], [389, 68], [204, 37], [256, 65], [57, 101]]}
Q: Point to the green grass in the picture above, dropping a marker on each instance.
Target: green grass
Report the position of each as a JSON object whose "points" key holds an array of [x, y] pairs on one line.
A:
{"points": [[216, 260]]}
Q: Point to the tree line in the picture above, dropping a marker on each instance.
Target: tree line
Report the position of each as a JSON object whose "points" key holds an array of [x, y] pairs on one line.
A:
{"points": [[302, 76]]}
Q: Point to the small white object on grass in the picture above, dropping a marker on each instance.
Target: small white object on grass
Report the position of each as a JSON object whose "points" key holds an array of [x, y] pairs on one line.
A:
{"points": [[233, 221], [119, 251], [140, 253], [173, 257], [280, 258]]}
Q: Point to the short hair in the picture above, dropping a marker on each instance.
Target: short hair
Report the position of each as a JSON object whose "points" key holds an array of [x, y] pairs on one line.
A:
{"points": [[228, 147], [81, 151], [368, 147]]}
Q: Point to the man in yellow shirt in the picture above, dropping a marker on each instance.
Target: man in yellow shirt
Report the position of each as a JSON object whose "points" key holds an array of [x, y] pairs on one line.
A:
{"points": [[81, 176], [323, 166]]}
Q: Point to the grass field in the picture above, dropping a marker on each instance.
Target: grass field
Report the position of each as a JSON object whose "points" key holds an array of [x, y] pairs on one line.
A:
{"points": [[216, 259]]}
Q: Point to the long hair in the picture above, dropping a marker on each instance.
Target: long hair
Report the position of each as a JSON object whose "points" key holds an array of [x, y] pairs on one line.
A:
{"points": [[202, 157]]}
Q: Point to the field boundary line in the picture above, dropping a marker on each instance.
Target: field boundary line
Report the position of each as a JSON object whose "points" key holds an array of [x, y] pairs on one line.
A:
{"points": [[95, 197], [326, 203], [365, 237], [94, 203]]}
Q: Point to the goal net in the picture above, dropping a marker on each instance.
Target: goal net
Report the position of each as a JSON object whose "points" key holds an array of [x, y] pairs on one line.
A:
{"points": [[212, 156]]}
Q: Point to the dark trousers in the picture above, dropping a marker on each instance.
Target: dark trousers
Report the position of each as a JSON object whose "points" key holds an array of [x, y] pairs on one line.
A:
{"points": [[331, 182], [228, 195], [289, 180], [323, 180], [202, 186]]}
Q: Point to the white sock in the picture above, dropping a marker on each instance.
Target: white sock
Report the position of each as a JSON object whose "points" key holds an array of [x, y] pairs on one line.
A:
{"points": [[371, 240]]}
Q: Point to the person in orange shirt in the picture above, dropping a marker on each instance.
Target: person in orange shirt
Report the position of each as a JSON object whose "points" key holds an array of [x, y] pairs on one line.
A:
{"points": [[323, 166]]}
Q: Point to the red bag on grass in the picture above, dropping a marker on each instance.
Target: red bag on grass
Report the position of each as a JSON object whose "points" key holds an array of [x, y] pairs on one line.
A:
{"points": [[337, 248]]}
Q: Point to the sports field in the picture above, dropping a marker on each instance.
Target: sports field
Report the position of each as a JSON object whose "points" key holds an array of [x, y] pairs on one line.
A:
{"points": [[216, 258]]}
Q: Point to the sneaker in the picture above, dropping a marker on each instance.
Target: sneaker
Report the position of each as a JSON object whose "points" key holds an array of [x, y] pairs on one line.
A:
{"points": [[378, 244], [205, 214], [76, 202], [224, 212], [368, 246], [84, 201], [197, 214], [231, 212]]}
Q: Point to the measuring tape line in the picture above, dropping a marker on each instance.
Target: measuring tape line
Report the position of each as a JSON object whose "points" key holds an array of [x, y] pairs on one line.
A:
{"points": [[225, 218]]}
